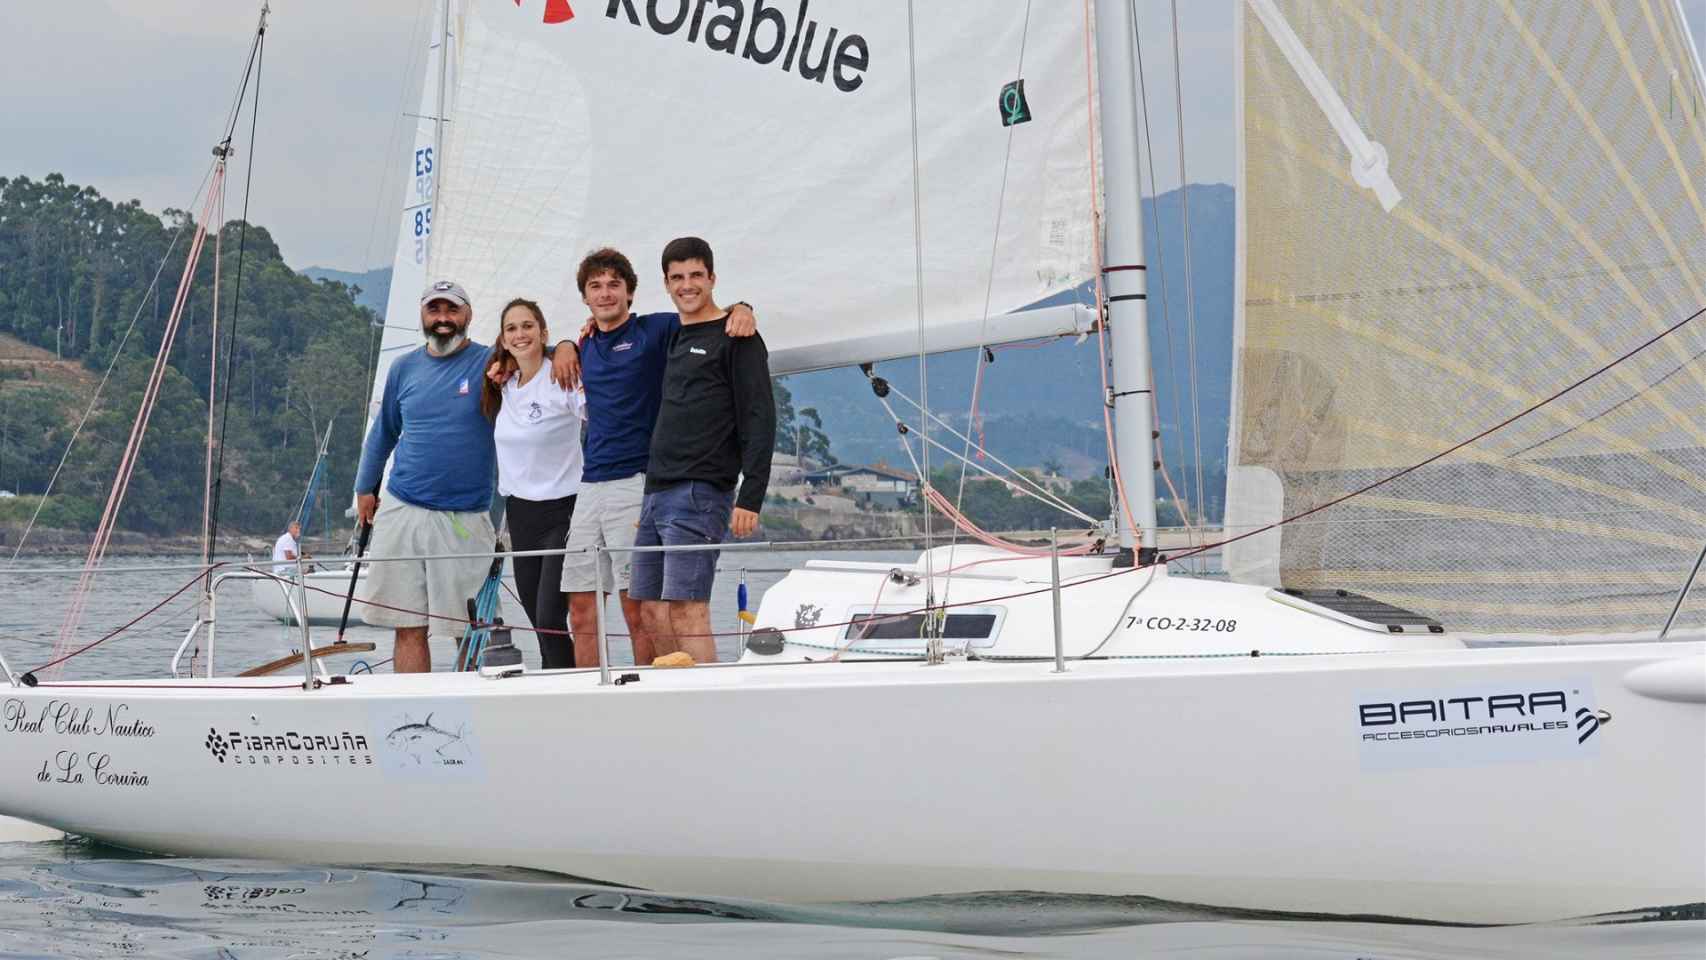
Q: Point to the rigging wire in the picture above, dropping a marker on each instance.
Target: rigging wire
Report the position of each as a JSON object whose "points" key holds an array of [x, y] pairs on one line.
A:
{"points": [[1359, 491], [983, 354], [918, 269], [1160, 267], [379, 204], [237, 286], [939, 609], [139, 427], [1190, 291], [232, 113], [1036, 490], [118, 353], [212, 390]]}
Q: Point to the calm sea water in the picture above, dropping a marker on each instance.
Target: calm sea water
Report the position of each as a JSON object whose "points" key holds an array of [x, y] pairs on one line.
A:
{"points": [[78, 899]]}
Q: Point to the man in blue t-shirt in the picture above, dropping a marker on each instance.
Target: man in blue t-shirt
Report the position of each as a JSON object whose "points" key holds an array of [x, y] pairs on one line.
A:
{"points": [[621, 365], [442, 461]]}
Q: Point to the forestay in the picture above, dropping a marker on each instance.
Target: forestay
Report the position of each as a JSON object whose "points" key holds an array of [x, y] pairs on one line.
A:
{"points": [[1549, 165], [780, 131]]}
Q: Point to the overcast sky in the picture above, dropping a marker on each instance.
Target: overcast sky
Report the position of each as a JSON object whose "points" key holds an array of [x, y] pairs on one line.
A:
{"points": [[129, 97]]}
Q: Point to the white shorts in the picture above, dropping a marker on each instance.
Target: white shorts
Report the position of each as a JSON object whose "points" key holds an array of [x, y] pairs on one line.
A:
{"points": [[416, 588], [606, 515]]}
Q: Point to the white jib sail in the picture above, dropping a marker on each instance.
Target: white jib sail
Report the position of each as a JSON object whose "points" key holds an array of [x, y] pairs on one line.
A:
{"points": [[780, 131], [1551, 160], [419, 160]]}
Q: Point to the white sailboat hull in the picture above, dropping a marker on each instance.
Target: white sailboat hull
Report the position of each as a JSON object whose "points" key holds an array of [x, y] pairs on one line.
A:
{"points": [[13, 830], [279, 599], [1238, 782]]}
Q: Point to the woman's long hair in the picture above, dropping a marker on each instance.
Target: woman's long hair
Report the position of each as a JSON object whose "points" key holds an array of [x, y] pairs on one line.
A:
{"points": [[492, 393]]}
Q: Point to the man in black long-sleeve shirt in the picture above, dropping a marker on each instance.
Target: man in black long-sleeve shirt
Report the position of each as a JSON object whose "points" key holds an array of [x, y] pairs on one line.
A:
{"points": [[717, 424]]}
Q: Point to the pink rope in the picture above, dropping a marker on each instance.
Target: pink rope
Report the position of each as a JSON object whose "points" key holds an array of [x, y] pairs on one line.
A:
{"points": [[963, 523], [139, 429]]}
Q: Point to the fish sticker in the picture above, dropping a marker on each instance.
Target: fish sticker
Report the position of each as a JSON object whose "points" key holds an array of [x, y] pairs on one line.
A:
{"points": [[418, 740], [439, 746]]}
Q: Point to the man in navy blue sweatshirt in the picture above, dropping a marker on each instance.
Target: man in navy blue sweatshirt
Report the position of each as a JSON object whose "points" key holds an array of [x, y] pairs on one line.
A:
{"points": [[442, 462]]}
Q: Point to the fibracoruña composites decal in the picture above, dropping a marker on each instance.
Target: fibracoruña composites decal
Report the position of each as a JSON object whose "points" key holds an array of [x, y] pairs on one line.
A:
{"points": [[307, 747]]}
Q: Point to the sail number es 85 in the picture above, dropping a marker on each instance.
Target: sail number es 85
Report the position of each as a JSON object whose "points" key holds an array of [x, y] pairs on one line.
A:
{"points": [[423, 197], [1187, 624]]}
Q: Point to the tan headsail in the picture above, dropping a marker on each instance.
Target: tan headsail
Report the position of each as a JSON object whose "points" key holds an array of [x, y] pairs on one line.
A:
{"points": [[1551, 160]]}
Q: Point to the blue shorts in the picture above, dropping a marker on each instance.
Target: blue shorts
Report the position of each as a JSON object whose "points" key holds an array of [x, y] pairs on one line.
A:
{"points": [[688, 512]]}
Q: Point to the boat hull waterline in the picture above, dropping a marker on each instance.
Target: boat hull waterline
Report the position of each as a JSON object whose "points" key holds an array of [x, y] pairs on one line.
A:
{"points": [[1267, 783]]}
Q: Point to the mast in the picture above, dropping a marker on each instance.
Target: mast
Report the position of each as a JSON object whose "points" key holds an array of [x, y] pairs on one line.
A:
{"points": [[1132, 394]]}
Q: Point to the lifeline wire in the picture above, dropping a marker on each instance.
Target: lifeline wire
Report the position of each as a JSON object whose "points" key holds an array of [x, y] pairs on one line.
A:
{"points": [[943, 607]]}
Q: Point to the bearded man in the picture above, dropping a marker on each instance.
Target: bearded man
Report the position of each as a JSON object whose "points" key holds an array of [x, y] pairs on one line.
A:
{"points": [[442, 464]]}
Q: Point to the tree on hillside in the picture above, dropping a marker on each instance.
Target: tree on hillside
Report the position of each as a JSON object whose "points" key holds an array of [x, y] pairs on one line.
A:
{"points": [[799, 432], [75, 270]]}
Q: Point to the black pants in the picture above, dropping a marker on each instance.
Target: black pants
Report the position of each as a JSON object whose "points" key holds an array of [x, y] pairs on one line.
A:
{"points": [[543, 525]]}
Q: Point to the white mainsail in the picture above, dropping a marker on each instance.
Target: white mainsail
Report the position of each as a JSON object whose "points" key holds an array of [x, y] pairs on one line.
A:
{"points": [[780, 131], [421, 168], [1551, 164]]}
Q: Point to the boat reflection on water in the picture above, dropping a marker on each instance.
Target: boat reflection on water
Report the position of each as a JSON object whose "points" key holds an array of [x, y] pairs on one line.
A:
{"points": [[75, 898]]}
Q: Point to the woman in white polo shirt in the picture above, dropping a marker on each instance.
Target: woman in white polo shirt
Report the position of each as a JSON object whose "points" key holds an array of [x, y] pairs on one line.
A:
{"points": [[537, 428]]}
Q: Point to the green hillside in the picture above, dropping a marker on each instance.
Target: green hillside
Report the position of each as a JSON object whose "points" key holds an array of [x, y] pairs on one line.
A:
{"points": [[75, 269]]}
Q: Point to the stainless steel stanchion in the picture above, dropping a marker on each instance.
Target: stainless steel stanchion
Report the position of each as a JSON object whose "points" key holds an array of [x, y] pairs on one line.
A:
{"points": [[1054, 578], [302, 618], [598, 611]]}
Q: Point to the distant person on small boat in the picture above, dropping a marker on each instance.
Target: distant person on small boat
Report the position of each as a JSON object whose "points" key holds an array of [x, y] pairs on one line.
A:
{"points": [[716, 425], [537, 428], [622, 369], [440, 486], [285, 548]]}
